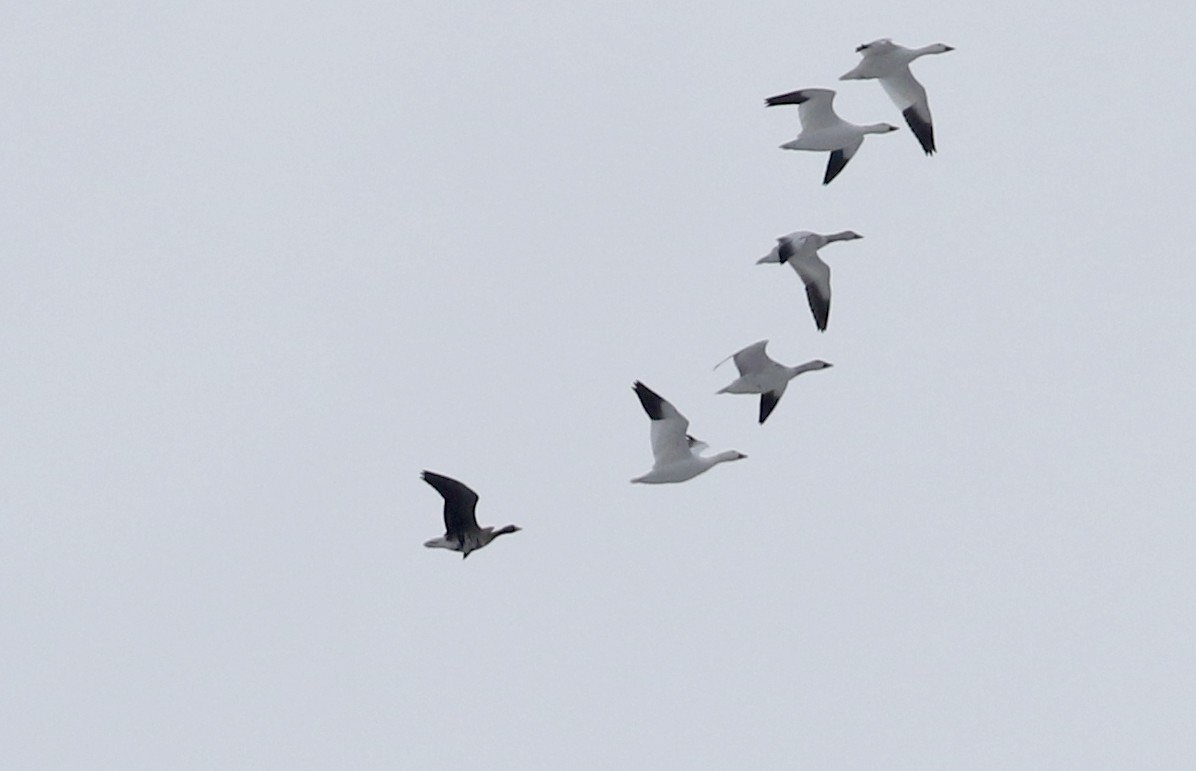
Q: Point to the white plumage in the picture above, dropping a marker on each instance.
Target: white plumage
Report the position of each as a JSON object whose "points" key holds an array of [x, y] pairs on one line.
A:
{"points": [[888, 63], [759, 374], [800, 251], [676, 455], [822, 129]]}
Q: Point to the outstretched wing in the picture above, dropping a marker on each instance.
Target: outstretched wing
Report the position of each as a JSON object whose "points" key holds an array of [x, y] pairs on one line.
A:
{"points": [[669, 440], [910, 97], [816, 275], [752, 359], [768, 402], [459, 502], [838, 160], [815, 107]]}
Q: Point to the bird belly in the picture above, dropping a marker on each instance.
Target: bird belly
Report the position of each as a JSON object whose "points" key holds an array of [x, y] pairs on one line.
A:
{"points": [[825, 140], [748, 384], [672, 473]]}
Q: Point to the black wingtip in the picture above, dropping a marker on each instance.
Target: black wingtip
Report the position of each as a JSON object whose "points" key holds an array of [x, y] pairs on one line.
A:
{"points": [[652, 401], [768, 403], [923, 129], [820, 307], [834, 165], [793, 97]]}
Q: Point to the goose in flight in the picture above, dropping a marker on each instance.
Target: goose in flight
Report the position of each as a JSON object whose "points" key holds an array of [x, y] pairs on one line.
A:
{"points": [[888, 62], [822, 129], [759, 374], [677, 455], [800, 250], [461, 531]]}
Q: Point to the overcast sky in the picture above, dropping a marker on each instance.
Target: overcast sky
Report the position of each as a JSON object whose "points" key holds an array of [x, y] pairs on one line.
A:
{"points": [[263, 262]]}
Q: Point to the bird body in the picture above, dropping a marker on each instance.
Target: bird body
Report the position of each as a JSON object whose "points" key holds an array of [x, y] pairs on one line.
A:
{"points": [[887, 62], [800, 250], [461, 531], [676, 455], [760, 374], [823, 130]]}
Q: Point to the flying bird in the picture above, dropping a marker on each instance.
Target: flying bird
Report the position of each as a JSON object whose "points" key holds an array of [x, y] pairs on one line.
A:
{"points": [[677, 455], [888, 62], [822, 129], [759, 374], [800, 251], [461, 531]]}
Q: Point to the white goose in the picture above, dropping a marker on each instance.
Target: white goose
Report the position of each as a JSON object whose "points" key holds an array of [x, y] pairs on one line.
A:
{"points": [[888, 62], [759, 374], [800, 250], [822, 129], [677, 455], [461, 531]]}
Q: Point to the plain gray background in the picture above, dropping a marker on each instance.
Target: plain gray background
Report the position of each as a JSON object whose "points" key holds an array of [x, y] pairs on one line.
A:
{"points": [[264, 262]]}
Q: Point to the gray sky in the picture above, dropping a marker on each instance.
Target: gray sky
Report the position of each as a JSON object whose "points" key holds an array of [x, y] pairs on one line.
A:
{"points": [[264, 263]]}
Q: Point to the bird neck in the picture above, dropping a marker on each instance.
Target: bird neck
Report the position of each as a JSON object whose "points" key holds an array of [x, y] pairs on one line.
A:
{"points": [[800, 368], [933, 48]]}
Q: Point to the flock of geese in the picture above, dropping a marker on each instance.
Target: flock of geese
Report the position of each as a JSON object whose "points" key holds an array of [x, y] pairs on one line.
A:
{"points": [[677, 456]]}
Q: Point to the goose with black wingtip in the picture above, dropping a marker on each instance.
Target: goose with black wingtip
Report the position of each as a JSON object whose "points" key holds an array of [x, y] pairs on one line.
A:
{"points": [[760, 374], [676, 455], [823, 130], [888, 63], [800, 250]]}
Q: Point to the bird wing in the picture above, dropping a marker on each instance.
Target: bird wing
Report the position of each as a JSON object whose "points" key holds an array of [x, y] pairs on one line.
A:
{"points": [[670, 443], [874, 60], [815, 107], [816, 275], [818, 112], [768, 402], [838, 160], [459, 503], [752, 359], [910, 97]]}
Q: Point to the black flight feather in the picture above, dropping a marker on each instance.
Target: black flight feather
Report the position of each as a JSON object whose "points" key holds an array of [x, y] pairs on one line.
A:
{"points": [[833, 166], [922, 129], [651, 400], [793, 97], [819, 306], [768, 402]]}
